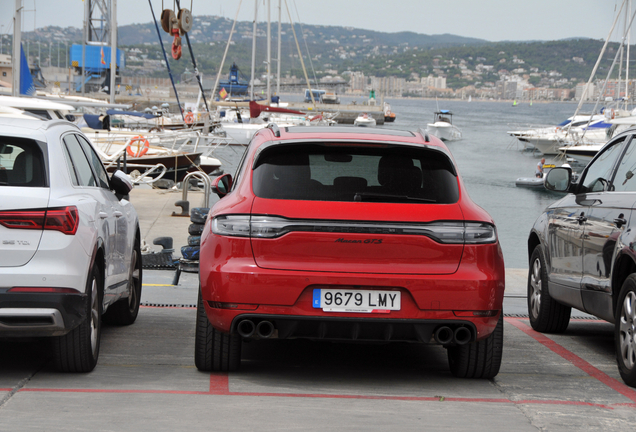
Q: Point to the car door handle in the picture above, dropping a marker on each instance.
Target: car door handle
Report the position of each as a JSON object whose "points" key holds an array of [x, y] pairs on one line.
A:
{"points": [[118, 214], [103, 215], [582, 218]]}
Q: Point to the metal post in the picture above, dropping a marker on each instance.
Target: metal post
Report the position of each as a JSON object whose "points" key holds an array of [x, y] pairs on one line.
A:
{"points": [[254, 49], [280, 23], [113, 49], [58, 53], [269, 51], [15, 55], [39, 52], [83, 77]]}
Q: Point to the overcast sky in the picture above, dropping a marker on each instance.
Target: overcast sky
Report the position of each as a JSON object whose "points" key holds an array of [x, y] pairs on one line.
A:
{"points": [[493, 20]]}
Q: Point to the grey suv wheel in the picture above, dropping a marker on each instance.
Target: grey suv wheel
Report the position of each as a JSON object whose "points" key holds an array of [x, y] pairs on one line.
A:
{"points": [[546, 315], [625, 331]]}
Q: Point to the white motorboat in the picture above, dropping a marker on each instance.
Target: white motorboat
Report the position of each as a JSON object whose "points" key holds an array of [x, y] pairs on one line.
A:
{"points": [[530, 182], [548, 140], [443, 127], [365, 120]]}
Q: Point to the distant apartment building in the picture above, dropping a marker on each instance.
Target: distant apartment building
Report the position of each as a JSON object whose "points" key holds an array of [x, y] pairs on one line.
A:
{"points": [[616, 90], [506, 89], [585, 92], [388, 86], [358, 82], [5, 68], [438, 82]]}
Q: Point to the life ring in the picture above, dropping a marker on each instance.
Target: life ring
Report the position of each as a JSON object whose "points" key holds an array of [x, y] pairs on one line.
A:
{"points": [[139, 139], [189, 118]]}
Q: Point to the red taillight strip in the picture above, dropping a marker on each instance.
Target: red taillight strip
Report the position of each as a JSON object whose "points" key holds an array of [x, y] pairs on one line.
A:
{"points": [[23, 219], [64, 219]]}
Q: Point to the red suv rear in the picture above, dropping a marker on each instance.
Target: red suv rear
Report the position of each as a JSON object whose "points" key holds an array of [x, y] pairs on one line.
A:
{"points": [[349, 234]]}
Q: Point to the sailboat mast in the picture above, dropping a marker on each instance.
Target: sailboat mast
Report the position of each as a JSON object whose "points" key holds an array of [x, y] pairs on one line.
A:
{"points": [[280, 23], [16, 56], [629, 9], [269, 50], [253, 49], [113, 49]]}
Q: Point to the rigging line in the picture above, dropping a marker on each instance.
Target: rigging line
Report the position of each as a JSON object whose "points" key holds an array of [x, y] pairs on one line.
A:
{"points": [[598, 61], [194, 64], [176, 94], [300, 55], [227, 47], [302, 32], [619, 52]]}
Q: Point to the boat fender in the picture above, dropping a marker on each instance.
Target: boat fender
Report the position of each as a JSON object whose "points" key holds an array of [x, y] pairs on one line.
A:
{"points": [[142, 146]]}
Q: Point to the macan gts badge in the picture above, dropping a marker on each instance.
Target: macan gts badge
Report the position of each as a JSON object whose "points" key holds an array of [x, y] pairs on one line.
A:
{"points": [[349, 234]]}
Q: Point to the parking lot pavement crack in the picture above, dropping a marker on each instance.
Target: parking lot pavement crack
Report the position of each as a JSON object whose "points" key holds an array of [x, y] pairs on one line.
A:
{"points": [[17, 388], [502, 390]]}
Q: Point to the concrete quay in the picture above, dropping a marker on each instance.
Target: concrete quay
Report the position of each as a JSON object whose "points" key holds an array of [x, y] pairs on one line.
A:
{"points": [[146, 380]]}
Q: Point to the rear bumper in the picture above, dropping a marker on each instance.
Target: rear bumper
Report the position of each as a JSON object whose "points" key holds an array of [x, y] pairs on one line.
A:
{"points": [[36, 315]]}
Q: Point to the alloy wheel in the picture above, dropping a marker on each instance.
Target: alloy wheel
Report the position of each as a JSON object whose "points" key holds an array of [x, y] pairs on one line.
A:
{"points": [[535, 283], [627, 329], [94, 317]]}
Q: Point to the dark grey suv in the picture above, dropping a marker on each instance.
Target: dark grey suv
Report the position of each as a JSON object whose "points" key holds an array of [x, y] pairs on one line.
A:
{"points": [[582, 249]]}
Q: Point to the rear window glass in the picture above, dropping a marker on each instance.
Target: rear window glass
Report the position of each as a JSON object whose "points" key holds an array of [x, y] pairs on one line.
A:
{"points": [[21, 163], [367, 173]]}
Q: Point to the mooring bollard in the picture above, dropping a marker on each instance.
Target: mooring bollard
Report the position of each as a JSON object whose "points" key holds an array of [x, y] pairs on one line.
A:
{"points": [[183, 203]]}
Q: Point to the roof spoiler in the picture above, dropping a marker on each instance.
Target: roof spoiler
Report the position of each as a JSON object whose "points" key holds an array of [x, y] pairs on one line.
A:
{"points": [[275, 129], [424, 133]]}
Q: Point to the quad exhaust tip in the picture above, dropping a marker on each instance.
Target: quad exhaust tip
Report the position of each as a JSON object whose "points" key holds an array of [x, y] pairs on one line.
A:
{"points": [[246, 329], [445, 335]]}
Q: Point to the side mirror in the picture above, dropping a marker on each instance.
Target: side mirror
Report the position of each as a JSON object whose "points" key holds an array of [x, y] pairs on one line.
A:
{"points": [[559, 179], [222, 185], [120, 183], [70, 117]]}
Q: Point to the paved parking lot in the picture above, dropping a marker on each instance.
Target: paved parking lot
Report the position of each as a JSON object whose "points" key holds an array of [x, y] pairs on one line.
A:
{"points": [[146, 381]]}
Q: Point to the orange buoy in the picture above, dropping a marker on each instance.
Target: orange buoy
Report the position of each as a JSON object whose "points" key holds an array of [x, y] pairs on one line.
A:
{"points": [[142, 146]]}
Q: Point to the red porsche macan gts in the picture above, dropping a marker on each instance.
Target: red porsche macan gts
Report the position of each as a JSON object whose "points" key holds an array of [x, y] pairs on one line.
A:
{"points": [[349, 234]]}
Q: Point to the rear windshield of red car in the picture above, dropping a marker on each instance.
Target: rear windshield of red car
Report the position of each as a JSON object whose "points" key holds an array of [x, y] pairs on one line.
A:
{"points": [[365, 173], [21, 163]]}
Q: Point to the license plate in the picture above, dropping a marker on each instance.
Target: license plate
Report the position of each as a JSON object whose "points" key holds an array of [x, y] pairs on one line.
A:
{"points": [[363, 301]]}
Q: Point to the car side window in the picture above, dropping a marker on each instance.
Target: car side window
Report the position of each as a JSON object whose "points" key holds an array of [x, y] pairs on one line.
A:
{"points": [[598, 175], [95, 161], [625, 179], [80, 164]]}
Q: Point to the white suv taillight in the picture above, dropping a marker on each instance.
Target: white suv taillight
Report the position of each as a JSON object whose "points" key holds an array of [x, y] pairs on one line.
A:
{"points": [[64, 219], [449, 232]]}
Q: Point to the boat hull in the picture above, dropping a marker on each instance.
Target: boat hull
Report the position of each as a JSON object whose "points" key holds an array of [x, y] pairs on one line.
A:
{"points": [[444, 131]]}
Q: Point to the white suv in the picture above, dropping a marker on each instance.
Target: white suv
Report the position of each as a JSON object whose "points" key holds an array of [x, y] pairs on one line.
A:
{"points": [[69, 241]]}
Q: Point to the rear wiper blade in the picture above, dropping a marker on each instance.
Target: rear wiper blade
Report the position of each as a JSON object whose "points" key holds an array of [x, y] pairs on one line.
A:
{"points": [[366, 196]]}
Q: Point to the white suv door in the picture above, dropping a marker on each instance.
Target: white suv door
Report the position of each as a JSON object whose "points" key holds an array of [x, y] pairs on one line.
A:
{"points": [[103, 209]]}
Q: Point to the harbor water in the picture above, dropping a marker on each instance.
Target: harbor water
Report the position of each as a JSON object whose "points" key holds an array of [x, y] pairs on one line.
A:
{"points": [[489, 160]]}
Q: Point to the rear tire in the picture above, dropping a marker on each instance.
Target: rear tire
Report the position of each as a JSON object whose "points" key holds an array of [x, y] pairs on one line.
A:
{"points": [[213, 349], [546, 315], [625, 331], [125, 311], [480, 359], [78, 350]]}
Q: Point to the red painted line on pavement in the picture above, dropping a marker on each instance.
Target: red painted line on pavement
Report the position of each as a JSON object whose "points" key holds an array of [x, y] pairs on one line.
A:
{"points": [[577, 361], [219, 383], [220, 391], [52, 390]]}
